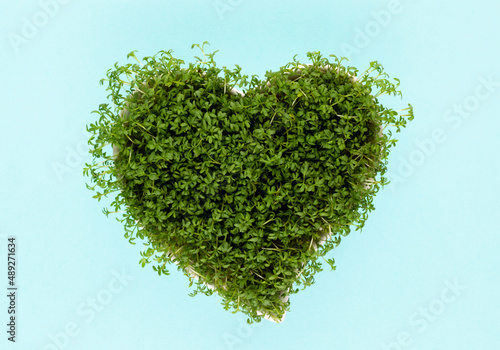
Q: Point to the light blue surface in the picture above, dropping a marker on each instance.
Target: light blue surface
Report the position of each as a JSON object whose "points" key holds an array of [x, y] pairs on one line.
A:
{"points": [[436, 225]]}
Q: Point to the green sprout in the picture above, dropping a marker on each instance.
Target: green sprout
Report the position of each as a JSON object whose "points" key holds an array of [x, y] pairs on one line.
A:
{"points": [[243, 191]]}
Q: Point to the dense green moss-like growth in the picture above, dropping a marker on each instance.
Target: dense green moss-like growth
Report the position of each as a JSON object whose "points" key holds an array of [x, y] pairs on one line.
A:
{"points": [[245, 192]]}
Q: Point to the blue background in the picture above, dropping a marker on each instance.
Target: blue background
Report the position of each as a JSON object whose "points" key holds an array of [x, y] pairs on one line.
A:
{"points": [[435, 225]]}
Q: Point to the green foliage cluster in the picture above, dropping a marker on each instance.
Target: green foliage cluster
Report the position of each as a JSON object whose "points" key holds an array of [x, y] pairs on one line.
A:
{"points": [[242, 191]]}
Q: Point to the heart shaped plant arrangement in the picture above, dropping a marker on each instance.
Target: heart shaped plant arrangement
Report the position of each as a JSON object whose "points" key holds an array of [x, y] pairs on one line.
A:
{"points": [[243, 191]]}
